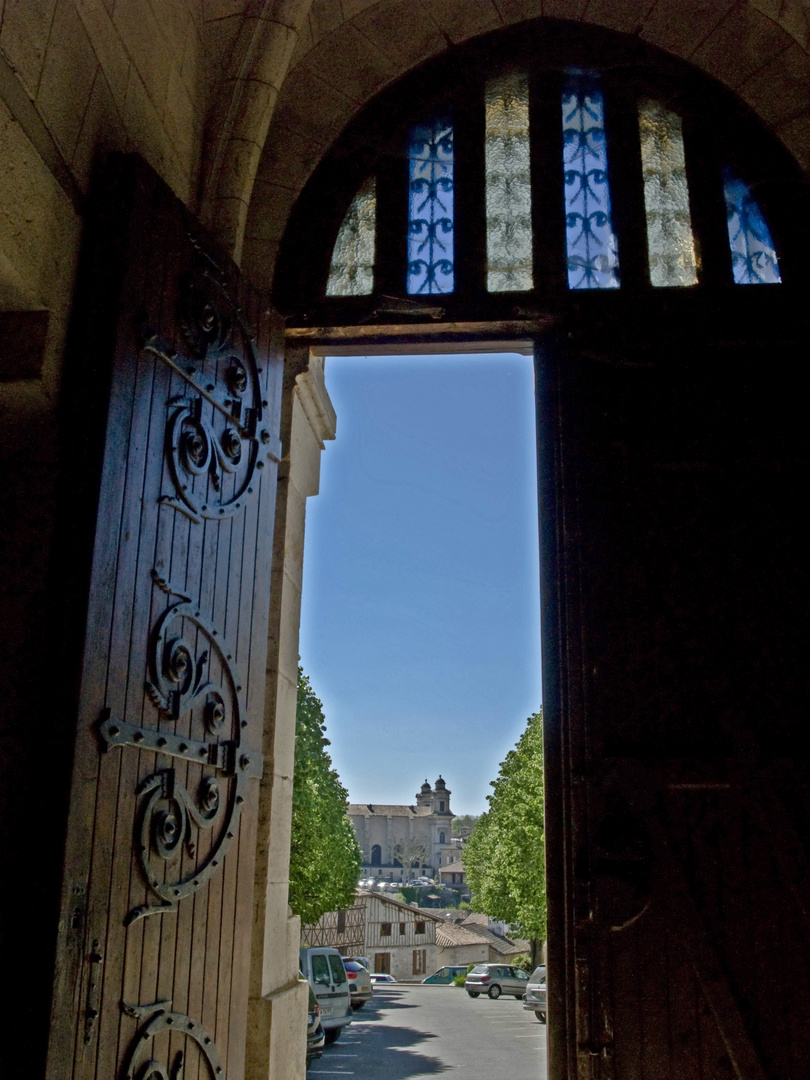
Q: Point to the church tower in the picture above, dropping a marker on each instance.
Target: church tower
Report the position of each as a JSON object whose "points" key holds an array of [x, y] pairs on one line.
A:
{"points": [[424, 796], [440, 798]]}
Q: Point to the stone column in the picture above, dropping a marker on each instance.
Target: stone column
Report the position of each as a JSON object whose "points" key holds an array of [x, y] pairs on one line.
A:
{"points": [[276, 1048]]}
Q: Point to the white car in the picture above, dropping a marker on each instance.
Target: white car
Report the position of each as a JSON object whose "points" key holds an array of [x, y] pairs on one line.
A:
{"points": [[535, 995], [381, 977], [323, 969], [360, 985]]}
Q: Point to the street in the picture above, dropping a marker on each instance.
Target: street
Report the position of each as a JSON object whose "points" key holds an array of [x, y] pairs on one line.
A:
{"points": [[409, 1032]]}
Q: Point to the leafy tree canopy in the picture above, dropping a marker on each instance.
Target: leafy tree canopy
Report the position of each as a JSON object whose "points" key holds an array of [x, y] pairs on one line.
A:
{"points": [[464, 821], [324, 854], [504, 857]]}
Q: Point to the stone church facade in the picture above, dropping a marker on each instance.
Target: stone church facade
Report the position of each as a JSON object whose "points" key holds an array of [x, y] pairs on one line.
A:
{"points": [[389, 834], [173, 177]]}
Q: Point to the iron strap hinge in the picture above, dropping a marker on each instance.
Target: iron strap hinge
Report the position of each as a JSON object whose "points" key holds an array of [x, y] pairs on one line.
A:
{"points": [[223, 756]]}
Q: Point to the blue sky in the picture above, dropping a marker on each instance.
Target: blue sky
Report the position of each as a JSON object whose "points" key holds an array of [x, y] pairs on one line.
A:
{"points": [[420, 615]]}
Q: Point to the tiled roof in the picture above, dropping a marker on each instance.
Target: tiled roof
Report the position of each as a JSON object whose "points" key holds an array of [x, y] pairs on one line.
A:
{"points": [[449, 935], [477, 918], [456, 867], [387, 810], [454, 915], [418, 912]]}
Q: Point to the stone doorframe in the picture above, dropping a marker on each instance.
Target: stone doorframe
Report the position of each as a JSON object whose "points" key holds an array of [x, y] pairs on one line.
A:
{"points": [[276, 1031]]}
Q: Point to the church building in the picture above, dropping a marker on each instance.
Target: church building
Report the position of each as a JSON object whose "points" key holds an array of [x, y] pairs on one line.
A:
{"points": [[402, 842]]}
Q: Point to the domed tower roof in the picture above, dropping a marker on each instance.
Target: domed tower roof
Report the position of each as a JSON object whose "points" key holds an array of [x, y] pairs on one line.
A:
{"points": [[426, 786], [440, 785]]}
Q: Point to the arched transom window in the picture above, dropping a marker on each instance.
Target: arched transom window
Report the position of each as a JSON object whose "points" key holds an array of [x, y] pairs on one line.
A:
{"points": [[544, 173]]}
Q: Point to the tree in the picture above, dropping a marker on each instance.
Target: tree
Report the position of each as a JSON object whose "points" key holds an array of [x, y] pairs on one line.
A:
{"points": [[504, 857], [464, 821], [325, 857], [410, 852]]}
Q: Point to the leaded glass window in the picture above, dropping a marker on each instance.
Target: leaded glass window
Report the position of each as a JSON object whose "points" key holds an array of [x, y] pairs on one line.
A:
{"points": [[351, 272], [592, 257], [670, 243], [508, 184], [500, 146], [430, 208], [753, 256]]}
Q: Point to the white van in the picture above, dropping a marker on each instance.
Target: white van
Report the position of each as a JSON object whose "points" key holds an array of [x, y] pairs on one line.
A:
{"points": [[323, 969]]}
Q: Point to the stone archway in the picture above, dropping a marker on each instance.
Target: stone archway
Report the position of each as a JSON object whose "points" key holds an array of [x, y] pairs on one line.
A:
{"points": [[758, 49]]}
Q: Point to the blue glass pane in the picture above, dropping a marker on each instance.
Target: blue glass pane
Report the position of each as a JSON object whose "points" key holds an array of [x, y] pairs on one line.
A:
{"points": [[753, 256], [430, 208], [593, 262]]}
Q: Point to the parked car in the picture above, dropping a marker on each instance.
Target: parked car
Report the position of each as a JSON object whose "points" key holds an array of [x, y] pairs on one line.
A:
{"points": [[535, 996], [323, 969], [496, 979], [316, 1037], [445, 975], [359, 983], [381, 977]]}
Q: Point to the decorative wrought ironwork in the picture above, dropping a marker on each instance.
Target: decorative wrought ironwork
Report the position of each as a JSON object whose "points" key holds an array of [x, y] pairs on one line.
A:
{"points": [[216, 436], [508, 184], [351, 271], [147, 1061], [593, 261], [753, 255], [192, 678], [670, 243], [430, 208]]}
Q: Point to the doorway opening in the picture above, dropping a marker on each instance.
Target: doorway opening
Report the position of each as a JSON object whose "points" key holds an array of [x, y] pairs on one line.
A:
{"points": [[420, 627]]}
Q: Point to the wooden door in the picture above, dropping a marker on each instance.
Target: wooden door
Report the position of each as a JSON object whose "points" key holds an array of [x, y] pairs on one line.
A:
{"points": [[674, 451], [154, 935]]}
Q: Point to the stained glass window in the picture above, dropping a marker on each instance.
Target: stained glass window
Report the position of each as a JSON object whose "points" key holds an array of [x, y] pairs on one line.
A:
{"points": [[430, 208], [753, 256], [351, 272], [593, 261], [508, 184], [670, 243]]}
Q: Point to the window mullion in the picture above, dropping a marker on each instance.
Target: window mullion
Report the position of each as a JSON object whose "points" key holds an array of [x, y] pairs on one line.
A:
{"points": [[470, 232], [548, 199], [391, 273], [626, 182], [704, 176]]}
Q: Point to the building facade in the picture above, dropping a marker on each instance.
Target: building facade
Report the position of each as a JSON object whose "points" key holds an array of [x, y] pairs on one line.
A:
{"points": [[396, 939], [400, 939], [401, 842]]}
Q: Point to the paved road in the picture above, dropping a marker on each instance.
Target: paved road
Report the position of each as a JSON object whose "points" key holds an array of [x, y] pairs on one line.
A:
{"points": [[417, 1032]]}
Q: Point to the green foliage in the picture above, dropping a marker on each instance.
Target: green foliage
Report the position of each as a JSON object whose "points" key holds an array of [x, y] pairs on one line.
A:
{"points": [[464, 821], [504, 856], [459, 980], [325, 857], [523, 960], [409, 893]]}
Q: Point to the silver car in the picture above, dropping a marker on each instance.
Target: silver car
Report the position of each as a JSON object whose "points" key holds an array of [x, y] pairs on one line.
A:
{"points": [[535, 996], [496, 979]]}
